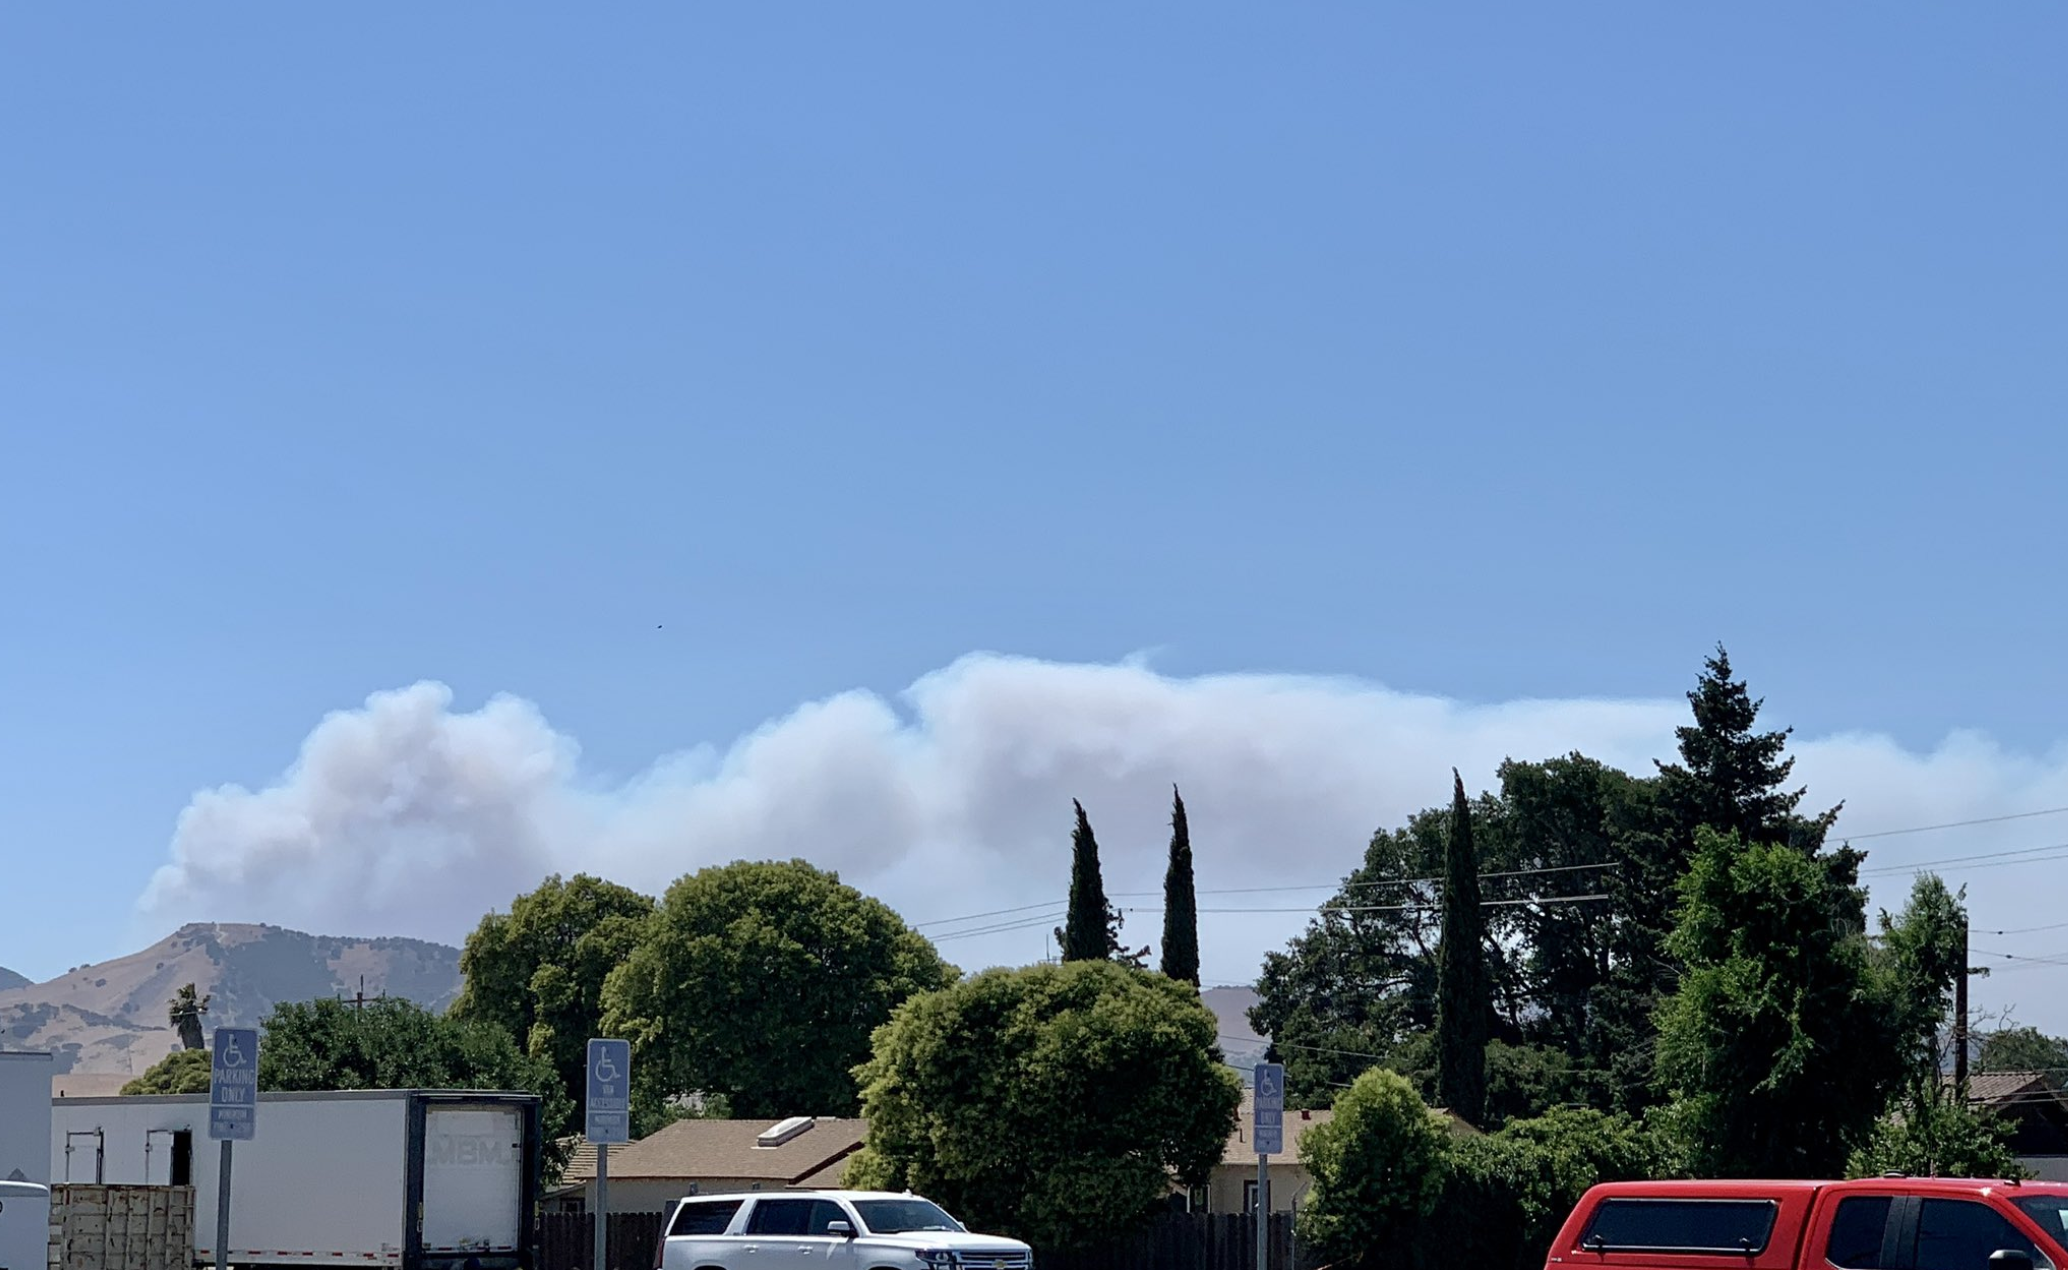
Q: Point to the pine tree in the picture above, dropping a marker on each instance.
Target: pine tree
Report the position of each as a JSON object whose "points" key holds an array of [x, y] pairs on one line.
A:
{"points": [[1731, 780], [1464, 1004], [1730, 777], [1180, 905], [1088, 933]]}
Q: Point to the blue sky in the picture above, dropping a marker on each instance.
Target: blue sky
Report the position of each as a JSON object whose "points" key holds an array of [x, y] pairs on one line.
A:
{"points": [[672, 367]]}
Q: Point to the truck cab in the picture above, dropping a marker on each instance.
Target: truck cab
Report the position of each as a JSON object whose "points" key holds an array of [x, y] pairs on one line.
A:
{"points": [[1892, 1223]]}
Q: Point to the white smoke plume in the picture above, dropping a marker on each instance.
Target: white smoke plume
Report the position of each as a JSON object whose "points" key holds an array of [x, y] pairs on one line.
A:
{"points": [[406, 816]]}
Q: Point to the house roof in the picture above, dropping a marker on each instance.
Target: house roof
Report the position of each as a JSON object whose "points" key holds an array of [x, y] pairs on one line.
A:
{"points": [[581, 1161], [694, 1150], [1989, 1088]]}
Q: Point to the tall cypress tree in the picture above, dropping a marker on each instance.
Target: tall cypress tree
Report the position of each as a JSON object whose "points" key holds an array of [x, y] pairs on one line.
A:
{"points": [[1180, 906], [1087, 934], [1464, 1002]]}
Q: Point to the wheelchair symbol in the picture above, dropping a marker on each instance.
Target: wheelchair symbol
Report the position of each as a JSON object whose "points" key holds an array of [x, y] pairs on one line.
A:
{"points": [[233, 1054], [606, 1070]]}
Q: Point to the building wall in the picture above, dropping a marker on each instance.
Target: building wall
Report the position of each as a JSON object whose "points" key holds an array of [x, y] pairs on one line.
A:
{"points": [[2048, 1168], [1227, 1192]]}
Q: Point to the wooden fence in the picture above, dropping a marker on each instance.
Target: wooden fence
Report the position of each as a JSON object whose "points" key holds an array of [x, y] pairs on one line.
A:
{"points": [[1174, 1241], [567, 1241], [1188, 1241]]}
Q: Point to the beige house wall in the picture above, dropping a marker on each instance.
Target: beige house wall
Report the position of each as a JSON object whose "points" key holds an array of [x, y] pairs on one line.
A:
{"points": [[1290, 1183]]}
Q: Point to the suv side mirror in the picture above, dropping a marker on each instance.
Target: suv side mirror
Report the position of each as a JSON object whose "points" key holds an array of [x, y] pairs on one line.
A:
{"points": [[2010, 1259], [845, 1230]]}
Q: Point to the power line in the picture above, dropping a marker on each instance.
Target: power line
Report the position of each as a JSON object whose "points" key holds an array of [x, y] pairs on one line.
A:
{"points": [[996, 912], [1953, 824], [1025, 923], [1373, 908], [2026, 930], [1993, 859], [2026, 855]]}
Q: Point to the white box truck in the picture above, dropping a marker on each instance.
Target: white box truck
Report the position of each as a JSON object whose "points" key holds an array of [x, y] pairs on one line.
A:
{"points": [[413, 1179], [24, 1226], [25, 1117]]}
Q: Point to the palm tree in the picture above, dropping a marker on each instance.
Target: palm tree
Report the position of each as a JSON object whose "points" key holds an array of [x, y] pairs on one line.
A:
{"points": [[184, 1012]]}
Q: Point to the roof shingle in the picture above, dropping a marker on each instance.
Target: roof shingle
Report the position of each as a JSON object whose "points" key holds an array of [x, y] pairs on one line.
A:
{"points": [[726, 1149]]}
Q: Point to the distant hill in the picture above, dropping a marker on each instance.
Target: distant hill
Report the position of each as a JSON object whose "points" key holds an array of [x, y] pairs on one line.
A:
{"points": [[9, 979], [1240, 1044], [111, 1017]]}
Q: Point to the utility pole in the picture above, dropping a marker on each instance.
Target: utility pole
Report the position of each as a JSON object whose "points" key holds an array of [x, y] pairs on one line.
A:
{"points": [[1960, 1016]]}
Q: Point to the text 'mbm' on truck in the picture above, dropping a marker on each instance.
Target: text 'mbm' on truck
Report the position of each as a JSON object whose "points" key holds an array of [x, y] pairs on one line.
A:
{"points": [[406, 1179], [1891, 1223]]}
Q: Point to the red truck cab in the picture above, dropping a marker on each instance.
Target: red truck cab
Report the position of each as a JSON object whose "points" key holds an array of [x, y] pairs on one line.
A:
{"points": [[1895, 1223]]}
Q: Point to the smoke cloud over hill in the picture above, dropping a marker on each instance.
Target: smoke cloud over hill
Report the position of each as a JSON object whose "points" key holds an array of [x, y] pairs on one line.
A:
{"points": [[411, 817]]}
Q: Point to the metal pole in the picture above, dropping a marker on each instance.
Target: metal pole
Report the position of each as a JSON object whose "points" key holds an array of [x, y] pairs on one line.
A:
{"points": [[602, 1202], [222, 1212], [1263, 1211]]}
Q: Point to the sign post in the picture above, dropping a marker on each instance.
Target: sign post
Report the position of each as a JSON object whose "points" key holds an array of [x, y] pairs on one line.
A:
{"points": [[607, 1121], [232, 1114], [1267, 1129]]}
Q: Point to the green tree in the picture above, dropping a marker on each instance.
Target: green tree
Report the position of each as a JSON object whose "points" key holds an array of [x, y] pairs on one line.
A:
{"points": [[183, 1071], [184, 1013], [1091, 930], [1522, 1081], [396, 1044], [1360, 982], [1506, 1194], [1055, 1103], [1923, 953], [1731, 778], [537, 972], [1464, 1004], [1782, 1045], [761, 982], [1940, 1136], [1378, 1165], [1180, 903], [2022, 1049], [1572, 818]]}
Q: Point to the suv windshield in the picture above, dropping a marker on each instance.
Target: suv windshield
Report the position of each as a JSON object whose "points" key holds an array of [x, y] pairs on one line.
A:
{"points": [[899, 1216]]}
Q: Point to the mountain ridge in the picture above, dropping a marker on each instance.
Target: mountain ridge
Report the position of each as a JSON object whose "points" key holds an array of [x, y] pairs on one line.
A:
{"points": [[111, 1018]]}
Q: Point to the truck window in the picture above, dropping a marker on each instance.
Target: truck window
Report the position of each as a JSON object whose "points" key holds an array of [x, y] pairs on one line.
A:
{"points": [[1856, 1232], [780, 1217], [704, 1217], [2050, 1212], [1959, 1234], [1725, 1227]]}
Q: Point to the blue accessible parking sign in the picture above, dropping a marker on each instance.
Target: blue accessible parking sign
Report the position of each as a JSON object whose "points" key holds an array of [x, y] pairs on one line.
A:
{"points": [[608, 1121], [1268, 1109], [233, 1085]]}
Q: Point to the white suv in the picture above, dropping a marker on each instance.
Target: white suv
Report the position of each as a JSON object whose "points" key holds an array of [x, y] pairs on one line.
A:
{"points": [[828, 1230]]}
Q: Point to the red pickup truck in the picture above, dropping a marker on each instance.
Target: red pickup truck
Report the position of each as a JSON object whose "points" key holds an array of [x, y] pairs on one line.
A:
{"points": [[1894, 1223]]}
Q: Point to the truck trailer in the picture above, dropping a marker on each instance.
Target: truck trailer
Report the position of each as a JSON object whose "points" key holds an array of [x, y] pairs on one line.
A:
{"points": [[413, 1179], [25, 1116]]}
